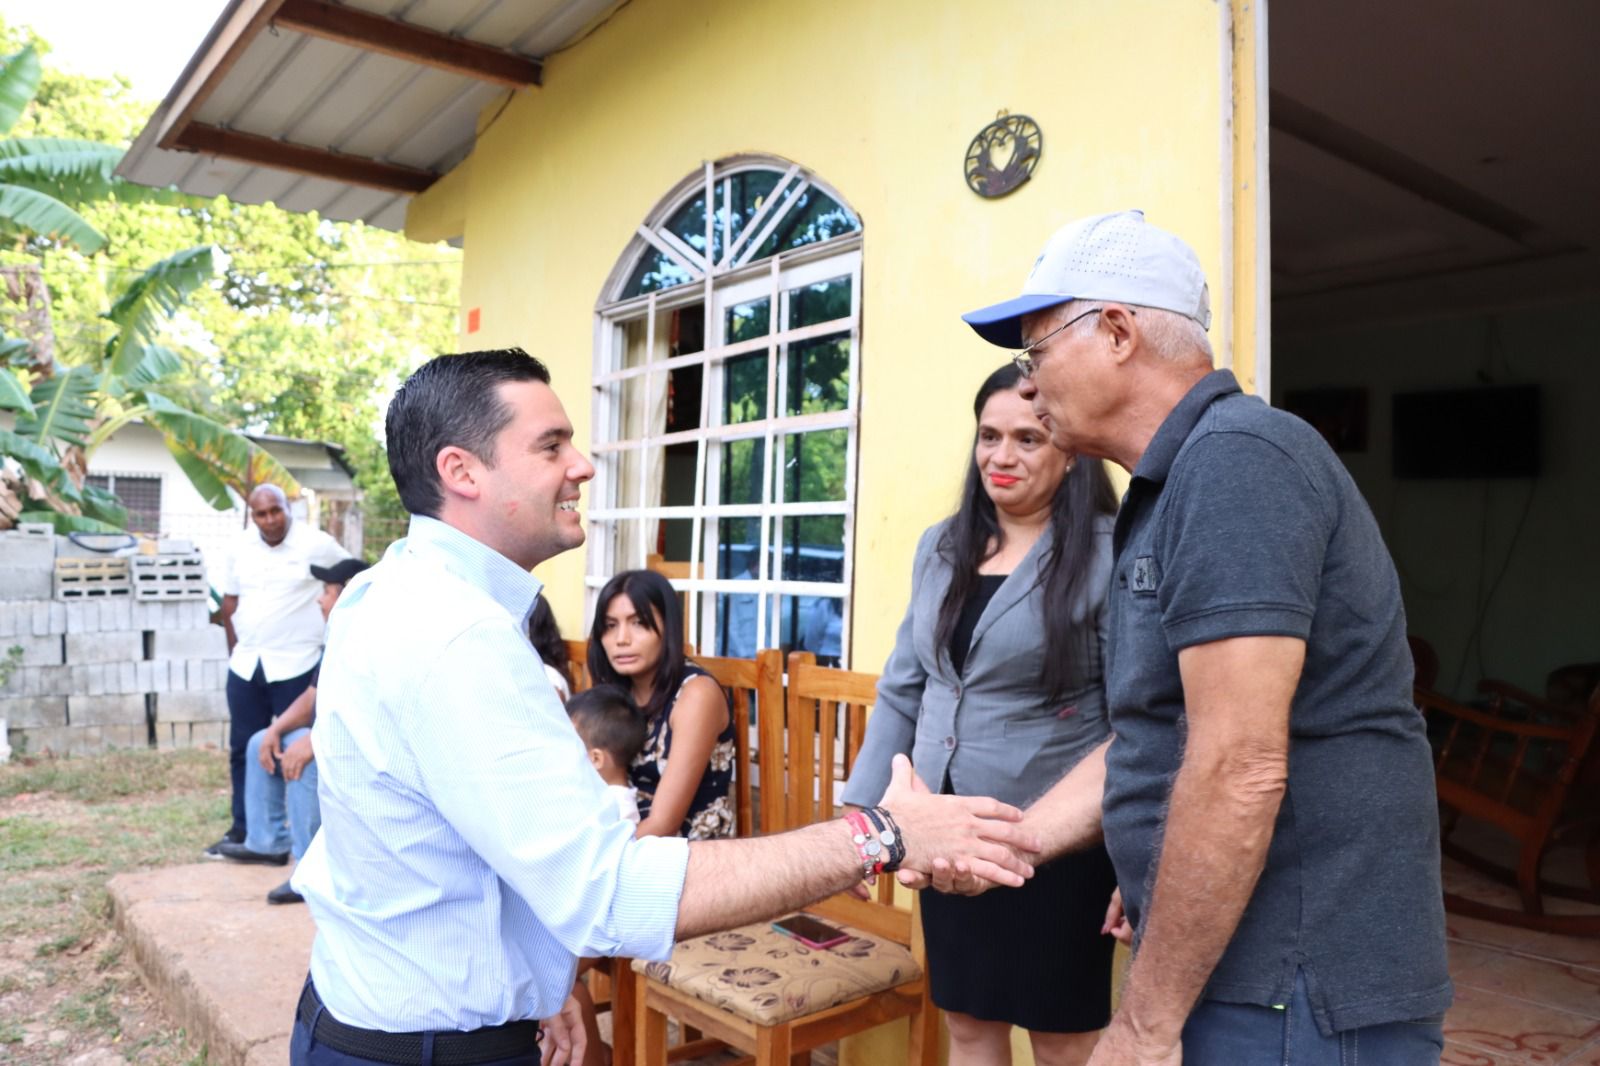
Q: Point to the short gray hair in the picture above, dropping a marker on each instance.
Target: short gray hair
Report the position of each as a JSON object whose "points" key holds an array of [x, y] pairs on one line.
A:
{"points": [[1174, 337]]}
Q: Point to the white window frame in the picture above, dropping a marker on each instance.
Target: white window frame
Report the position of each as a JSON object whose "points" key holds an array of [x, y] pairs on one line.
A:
{"points": [[716, 287]]}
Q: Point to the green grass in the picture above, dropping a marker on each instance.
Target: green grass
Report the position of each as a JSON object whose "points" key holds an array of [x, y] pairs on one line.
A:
{"points": [[116, 774], [66, 827]]}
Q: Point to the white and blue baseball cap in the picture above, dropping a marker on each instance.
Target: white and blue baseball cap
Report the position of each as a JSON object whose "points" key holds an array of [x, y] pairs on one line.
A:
{"points": [[1118, 257]]}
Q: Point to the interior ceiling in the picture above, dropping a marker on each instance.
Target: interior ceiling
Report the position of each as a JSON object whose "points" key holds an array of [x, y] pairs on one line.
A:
{"points": [[1436, 157]]}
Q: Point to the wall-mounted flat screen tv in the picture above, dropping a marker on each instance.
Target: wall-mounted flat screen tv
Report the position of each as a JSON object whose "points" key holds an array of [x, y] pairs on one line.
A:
{"points": [[1490, 432]]}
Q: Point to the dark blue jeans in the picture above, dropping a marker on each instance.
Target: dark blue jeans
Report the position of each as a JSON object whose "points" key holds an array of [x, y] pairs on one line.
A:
{"points": [[1234, 1034], [252, 705]]}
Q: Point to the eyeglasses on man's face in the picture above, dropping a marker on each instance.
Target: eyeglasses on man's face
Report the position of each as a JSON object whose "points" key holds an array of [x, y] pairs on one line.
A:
{"points": [[1024, 360]]}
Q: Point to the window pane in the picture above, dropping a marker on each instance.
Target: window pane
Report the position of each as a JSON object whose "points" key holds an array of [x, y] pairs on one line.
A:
{"points": [[744, 388], [738, 548], [634, 470], [750, 189], [735, 635], [743, 462], [813, 548], [818, 375], [656, 271], [816, 217], [807, 623], [677, 485], [633, 416], [748, 320], [738, 559], [814, 465], [674, 538], [683, 398], [689, 223], [686, 329], [822, 302], [635, 337]]}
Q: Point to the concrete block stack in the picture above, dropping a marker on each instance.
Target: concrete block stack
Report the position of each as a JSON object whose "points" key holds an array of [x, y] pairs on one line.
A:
{"points": [[105, 669]]}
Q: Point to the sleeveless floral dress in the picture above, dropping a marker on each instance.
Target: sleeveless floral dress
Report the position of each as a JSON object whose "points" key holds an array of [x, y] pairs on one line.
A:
{"points": [[710, 813]]}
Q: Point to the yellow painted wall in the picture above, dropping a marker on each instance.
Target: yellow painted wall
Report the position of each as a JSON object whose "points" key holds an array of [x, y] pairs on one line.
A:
{"points": [[879, 99]]}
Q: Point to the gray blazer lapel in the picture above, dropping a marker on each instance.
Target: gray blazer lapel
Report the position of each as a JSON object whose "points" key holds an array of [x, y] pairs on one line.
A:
{"points": [[1013, 590]]}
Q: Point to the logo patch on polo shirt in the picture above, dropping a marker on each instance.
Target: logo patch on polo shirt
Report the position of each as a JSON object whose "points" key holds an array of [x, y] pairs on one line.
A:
{"points": [[1144, 577]]}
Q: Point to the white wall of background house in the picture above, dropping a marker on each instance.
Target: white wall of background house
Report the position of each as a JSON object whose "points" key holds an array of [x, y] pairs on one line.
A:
{"points": [[136, 454]]}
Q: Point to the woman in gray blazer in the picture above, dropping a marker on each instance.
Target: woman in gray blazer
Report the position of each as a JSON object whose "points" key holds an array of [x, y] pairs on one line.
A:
{"points": [[994, 689]]}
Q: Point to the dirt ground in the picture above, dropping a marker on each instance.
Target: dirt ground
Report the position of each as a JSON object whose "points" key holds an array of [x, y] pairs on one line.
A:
{"points": [[68, 993]]}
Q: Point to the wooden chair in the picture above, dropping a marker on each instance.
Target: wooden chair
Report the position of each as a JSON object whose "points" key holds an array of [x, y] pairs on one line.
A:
{"points": [[1425, 661], [1513, 763], [727, 984], [749, 685], [578, 664]]}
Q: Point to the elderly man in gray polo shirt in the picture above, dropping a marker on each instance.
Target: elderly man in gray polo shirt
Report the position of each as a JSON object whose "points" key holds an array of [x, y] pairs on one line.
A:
{"points": [[1267, 796]]}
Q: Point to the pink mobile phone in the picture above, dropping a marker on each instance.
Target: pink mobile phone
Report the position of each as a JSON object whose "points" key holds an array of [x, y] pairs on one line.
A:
{"points": [[810, 932]]}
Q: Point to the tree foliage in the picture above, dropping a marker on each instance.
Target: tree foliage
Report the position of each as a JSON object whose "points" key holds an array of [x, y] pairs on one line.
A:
{"points": [[304, 332]]}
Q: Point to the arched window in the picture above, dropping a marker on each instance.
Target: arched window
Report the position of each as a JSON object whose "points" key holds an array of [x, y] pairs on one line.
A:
{"points": [[726, 395]]}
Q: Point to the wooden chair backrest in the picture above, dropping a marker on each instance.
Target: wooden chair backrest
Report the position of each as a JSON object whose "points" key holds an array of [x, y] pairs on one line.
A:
{"points": [[826, 724], [578, 664], [1509, 770], [751, 685], [1425, 661]]}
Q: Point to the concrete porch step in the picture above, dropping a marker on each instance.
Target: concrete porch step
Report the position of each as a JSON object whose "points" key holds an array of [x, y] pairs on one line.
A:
{"points": [[225, 964]]}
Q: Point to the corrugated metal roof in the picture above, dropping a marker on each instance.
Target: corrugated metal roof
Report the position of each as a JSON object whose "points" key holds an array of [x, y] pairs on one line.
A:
{"points": [[353, 121]]}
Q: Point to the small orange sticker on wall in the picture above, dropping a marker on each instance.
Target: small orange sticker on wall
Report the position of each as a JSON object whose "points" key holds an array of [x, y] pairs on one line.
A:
{"points": [[473, 320]]}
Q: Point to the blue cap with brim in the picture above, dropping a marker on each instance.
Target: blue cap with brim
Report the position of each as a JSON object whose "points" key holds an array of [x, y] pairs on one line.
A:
{"points": [[1001, 323], [1119, 258]]}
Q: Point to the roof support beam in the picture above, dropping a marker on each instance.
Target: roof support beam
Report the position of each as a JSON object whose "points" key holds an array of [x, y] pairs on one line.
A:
{"points": [[414, 44], [223, 46], [301, 159]]}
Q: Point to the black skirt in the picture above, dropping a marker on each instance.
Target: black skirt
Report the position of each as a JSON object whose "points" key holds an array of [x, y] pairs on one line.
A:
{"points": [[1033, 956]]}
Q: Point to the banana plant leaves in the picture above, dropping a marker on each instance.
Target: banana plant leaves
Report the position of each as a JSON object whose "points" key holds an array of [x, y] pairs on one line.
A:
{"points": [[13, 396], [149, 302], [63, 408], [214, 457], [19, 80]]}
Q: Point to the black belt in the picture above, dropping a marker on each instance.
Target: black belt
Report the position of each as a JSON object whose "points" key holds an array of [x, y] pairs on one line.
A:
{"points": [[491, 1044]]}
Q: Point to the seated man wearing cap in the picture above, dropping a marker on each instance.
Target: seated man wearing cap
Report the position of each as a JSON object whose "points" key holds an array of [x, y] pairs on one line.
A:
{"points": [[280, 774], [1267, 795]]}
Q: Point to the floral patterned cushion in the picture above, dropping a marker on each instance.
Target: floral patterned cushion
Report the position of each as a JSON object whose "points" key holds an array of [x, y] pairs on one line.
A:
{"points": [[767, 977]]}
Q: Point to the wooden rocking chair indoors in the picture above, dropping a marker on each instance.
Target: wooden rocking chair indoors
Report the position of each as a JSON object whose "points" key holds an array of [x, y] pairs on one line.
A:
{"points": [[1514, 765], [766, 995]]}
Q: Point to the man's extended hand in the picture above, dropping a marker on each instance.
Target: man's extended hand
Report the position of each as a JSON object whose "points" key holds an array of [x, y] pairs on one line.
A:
{"points": [[296, 757], [564, 1041], [1119, 1045], [1116, 924], [270, 751], [979, 833]]}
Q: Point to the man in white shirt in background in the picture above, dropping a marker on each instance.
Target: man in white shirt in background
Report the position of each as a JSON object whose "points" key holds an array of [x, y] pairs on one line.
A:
{"points": [[274, 627]]}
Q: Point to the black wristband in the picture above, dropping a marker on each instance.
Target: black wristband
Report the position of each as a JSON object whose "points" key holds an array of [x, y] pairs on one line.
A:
{"points": [[894, 848]]}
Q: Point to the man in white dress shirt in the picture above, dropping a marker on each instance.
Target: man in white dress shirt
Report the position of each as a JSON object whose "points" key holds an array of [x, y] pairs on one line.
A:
{"points": [[274, 626], [468, 854]]}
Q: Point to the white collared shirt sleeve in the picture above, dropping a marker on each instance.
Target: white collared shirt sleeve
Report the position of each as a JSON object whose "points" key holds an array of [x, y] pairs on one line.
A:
{"points": [[518, 788]]}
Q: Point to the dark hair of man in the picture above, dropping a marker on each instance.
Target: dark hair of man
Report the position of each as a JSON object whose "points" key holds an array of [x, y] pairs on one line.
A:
{"points": [[606, 718], [545, 636], [655, 601], [1084, 494], [450, 400]]}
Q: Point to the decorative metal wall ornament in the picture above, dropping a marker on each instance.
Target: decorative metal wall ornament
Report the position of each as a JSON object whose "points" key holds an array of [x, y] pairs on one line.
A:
{"points": [[1003, 155]]}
